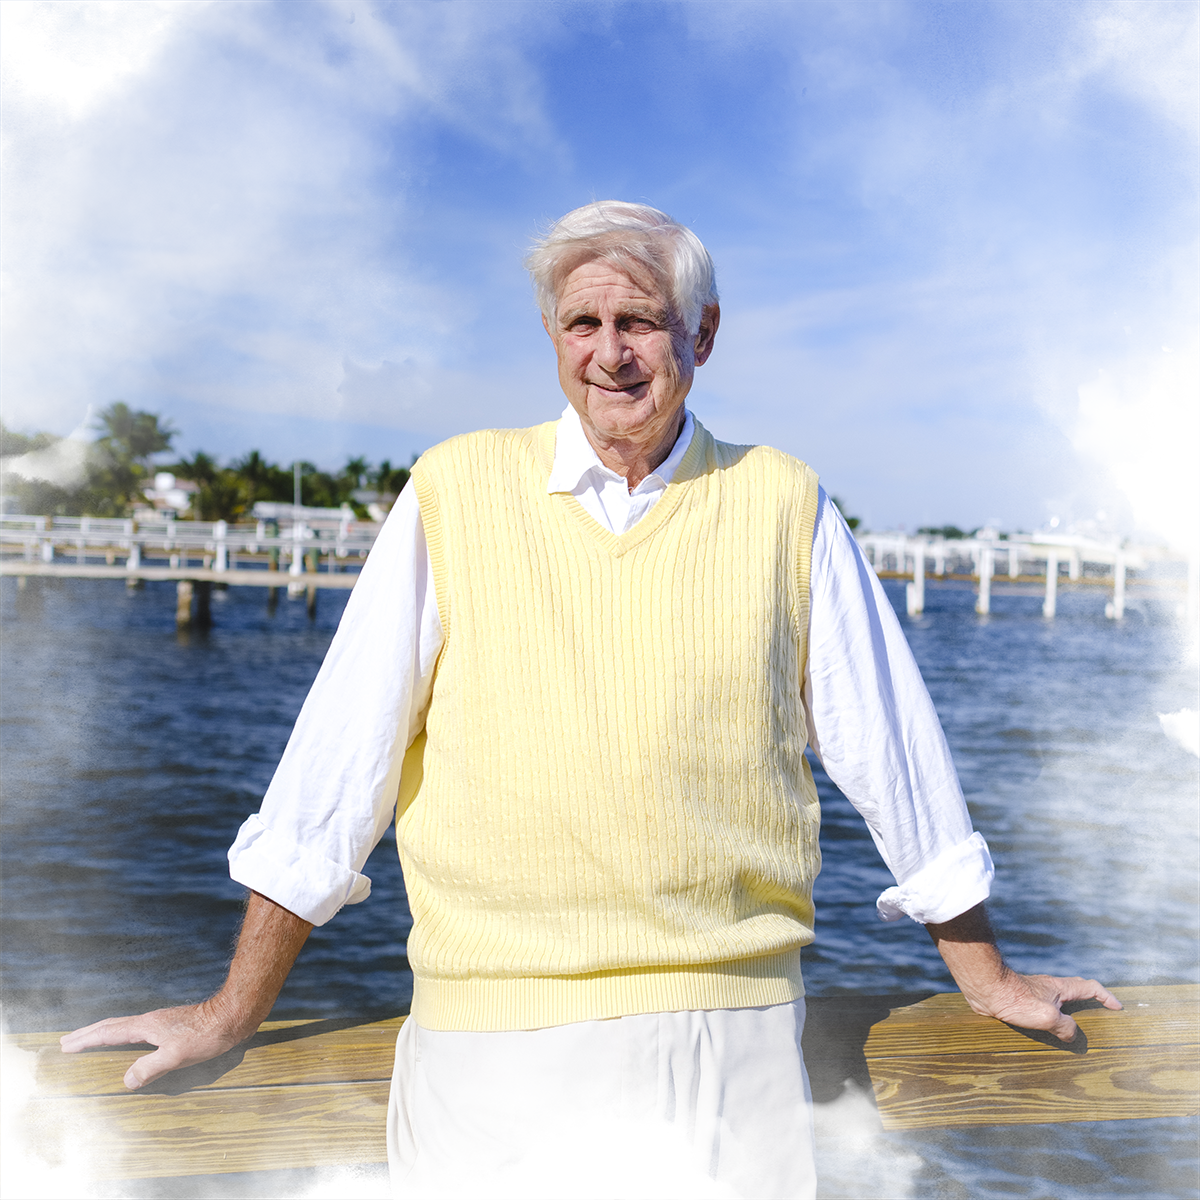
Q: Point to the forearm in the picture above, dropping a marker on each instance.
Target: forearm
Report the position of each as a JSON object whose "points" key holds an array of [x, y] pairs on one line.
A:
{"points": [[968, 946], [271, 937]]}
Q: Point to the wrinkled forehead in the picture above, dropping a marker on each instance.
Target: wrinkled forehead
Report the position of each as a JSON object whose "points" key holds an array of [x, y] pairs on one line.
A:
{"points": [[597, 287], [641, 267]]}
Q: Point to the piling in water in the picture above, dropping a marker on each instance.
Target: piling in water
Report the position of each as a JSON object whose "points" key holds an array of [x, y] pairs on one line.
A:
{"points": [[183, 604], [203, 616]]}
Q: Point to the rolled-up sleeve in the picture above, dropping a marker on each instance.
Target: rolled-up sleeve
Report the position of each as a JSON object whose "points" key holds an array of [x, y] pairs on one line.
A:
{"points": [[333, 794], [874, 728]]}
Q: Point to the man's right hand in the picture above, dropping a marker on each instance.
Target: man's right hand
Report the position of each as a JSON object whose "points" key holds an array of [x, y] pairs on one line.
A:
{"points": [[270, 939], [191, 1034]]}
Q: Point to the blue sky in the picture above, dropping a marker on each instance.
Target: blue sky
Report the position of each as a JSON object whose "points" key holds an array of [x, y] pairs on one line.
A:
{"points": [[956, 243]]}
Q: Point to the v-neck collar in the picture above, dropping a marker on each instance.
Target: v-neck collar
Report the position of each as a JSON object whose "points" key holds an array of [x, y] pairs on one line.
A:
{"points": [[575, 457], [619, 544]]}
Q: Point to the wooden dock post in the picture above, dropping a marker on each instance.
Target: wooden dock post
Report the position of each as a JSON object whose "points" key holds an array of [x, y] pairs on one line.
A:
{"points": [[915, 591], [133, 559], [220, 533], [1116, 610], [312, 564], [296, 569], [46, 525], [202, 589], [1050, 604], [183, 604], [983, 605], [315, 1093]]}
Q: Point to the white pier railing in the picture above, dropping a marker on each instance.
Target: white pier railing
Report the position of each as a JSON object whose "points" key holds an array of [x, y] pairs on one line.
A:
{"points": [[291, 548], [221, 546], [1021, 558]]}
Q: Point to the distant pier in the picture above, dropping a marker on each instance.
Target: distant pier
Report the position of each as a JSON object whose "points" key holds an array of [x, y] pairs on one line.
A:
{"points": [[302, 554], [305, 551], [1037, 559]]}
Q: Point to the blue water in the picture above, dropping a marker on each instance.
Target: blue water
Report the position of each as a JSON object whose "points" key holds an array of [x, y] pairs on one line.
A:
{"points": [[132, 753]]}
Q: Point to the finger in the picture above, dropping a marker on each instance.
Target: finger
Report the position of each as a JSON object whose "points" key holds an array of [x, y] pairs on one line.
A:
{"points": [[1086, 989], [1065, 1028], [150, 1067], [113, 1031]]}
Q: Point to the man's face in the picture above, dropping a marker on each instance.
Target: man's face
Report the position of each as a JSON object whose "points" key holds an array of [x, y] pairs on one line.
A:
{"points": [[625, 360]]}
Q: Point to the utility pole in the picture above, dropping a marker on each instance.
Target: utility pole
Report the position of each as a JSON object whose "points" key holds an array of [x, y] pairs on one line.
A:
{"points": [[296, 483]]}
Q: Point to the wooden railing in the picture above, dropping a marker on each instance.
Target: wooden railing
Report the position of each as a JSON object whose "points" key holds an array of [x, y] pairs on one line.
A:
{"points": [[314, 1093]]}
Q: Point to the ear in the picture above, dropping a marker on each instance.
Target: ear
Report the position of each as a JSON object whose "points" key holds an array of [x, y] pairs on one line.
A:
{"points": [[546, 327], [710, 318]]}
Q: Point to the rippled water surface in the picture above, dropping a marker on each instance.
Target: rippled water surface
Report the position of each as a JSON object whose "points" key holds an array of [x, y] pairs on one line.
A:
{"points": [[131, 754]]}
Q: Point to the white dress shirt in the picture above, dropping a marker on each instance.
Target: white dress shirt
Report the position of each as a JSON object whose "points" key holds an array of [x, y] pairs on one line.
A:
{"points": [[870, 719]]}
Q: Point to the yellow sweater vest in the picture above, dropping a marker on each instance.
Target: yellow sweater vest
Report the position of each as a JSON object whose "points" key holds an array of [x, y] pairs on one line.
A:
{"points": [[609, 810]]}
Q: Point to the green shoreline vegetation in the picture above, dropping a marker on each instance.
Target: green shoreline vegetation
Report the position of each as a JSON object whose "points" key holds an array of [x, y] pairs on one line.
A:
{"points": [[119, 465]]}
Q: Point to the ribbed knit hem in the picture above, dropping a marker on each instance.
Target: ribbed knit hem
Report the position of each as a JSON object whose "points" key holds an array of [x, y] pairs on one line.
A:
{"points": [[493, 1005]]}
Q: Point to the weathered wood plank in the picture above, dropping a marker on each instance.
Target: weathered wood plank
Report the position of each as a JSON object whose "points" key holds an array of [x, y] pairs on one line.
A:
{"points": [[314, 1093], [1032, 1088], [282, 1053], [206, 1133], [325, 1051], [879, 1026]]}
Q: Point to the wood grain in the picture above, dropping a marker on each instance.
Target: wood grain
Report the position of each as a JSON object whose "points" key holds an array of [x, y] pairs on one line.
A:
{"points": [[1031, 1088], [203, 1133], [881, 1026], [281, 1053], [314, 1093]]}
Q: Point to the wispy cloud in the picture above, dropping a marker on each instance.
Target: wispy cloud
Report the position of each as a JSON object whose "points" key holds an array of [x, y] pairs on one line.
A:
{"points": [[895, 16], [1014, 382], [1041, 100], [247, 280], [462, 75]]}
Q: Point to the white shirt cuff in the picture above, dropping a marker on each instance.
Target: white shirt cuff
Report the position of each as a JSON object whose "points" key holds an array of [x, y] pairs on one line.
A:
{"points": [[958, 879], [307, 884]]}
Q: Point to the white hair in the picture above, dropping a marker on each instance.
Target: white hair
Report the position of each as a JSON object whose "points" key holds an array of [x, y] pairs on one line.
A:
{"points": [[638, 239]]}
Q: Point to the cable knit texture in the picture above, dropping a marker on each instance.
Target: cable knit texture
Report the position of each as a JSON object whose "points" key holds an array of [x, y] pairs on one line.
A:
{"points": [[609, 810]]}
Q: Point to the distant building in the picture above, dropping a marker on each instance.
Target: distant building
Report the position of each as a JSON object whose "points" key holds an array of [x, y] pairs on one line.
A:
{"points": [[169, 497]]}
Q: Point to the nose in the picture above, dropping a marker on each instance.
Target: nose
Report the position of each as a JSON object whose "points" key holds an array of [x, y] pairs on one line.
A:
{"points": [[612, 351]]}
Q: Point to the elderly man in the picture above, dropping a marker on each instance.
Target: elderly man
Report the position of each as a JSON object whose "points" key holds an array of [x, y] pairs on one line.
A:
{"points": [[587, 658]]}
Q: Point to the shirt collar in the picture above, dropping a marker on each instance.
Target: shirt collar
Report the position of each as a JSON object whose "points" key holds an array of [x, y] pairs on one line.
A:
{"points": [[574, 456]]}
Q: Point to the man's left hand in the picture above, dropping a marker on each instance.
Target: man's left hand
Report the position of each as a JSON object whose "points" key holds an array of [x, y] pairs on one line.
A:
{"points": [[993, 989]]}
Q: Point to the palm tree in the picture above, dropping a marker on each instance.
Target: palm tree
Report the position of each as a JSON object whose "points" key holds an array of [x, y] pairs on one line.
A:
{"points": [[356, 472], [201, 468], [132, 435]]}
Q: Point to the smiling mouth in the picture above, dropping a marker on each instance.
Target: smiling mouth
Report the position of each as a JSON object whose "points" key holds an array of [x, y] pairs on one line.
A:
{"points": [[625, 389]]}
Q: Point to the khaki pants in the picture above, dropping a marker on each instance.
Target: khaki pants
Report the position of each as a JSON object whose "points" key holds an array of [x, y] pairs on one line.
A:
{"points": [[687, 1104]]}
